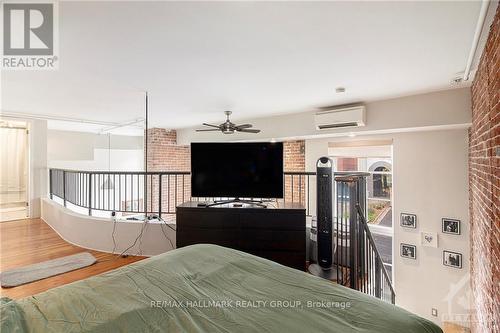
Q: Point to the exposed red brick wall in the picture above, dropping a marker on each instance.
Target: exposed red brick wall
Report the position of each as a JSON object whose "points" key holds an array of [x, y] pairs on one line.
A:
{"points": [[484, 187], [165, 155], [163, 152], [347, 164], [294, 159]]}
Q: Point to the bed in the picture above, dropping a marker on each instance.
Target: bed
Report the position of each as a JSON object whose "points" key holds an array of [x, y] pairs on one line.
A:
{"points": [[206, 288]]}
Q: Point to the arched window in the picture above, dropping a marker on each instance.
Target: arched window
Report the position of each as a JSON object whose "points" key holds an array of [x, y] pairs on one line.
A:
{"points": [[381, 182], [382, 169]]}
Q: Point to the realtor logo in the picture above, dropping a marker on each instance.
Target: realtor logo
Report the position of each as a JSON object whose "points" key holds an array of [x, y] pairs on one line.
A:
{"points": [[29, 35]]}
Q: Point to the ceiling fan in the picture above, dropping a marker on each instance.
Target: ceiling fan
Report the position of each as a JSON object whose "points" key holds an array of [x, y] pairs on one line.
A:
{"points": [[228, 127]]}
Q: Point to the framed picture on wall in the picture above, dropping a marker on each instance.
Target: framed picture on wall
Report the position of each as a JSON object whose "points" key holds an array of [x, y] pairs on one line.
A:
{"points": [[452, 259], [408, 220], [408, 251], [451, 226]]}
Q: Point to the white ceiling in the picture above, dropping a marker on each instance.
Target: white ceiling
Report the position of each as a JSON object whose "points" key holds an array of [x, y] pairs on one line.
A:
{"points": [[197, 59]]}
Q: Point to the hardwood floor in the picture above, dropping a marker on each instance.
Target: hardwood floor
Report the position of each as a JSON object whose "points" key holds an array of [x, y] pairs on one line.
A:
{"points": [[454, 328], [31, 241]]}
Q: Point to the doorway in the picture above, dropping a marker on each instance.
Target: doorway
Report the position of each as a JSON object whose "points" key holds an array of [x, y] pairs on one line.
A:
{"points": [[14, 171], [373, 157]]}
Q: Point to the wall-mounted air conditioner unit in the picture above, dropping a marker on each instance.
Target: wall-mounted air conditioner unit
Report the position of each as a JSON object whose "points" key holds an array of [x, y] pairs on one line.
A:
{"points": [[353, 116]]}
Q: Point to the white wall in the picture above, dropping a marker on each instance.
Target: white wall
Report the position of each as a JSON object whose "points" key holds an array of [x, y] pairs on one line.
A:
{"points": [[430, 180], [88, 151], [120, 160], [96, 232], [449, 108]]}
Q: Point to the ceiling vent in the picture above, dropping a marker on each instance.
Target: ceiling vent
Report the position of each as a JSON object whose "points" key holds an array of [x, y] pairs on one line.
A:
{"points": [[353, 116]]}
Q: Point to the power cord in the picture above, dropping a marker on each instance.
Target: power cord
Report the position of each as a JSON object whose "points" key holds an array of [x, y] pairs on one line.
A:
{"points": [[113, 215], [139, 236]]}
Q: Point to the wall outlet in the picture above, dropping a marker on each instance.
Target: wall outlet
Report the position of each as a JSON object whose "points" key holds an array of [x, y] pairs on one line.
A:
{"points": [[434, 312]]}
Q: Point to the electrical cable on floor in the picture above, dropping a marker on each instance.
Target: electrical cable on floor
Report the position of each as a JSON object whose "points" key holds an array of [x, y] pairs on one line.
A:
{"points": [[113, 214], [116, 257], [164, 234], [162, 222], [140, 239], [139, 236]]}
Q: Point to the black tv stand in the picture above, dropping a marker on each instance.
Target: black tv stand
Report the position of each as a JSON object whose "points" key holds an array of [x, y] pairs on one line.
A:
{"points": [[277, 233], [258, 203]]}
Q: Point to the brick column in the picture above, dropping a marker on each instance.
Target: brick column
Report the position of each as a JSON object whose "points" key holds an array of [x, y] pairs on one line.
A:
{"points": [[165, 155], [294, 158], [484, 186]]}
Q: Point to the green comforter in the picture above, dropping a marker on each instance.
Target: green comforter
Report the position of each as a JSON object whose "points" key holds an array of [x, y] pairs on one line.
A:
{"points": [[206, 288]]}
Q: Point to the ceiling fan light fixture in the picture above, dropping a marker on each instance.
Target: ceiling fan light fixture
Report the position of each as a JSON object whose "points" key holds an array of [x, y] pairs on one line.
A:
{"points": [[228, 127]]}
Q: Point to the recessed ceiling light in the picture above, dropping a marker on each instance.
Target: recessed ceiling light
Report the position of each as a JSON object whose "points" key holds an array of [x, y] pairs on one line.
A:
{"points": [[339, 90], [351, 135]]}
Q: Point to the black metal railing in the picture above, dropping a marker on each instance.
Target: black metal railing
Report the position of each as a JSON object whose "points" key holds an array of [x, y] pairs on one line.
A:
{"points": [[356, 257], [297, 188], [358, 261], [150, 192]]}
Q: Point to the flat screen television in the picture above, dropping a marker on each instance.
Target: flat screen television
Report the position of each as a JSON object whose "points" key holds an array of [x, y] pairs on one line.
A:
{"points": [[239, 170]]}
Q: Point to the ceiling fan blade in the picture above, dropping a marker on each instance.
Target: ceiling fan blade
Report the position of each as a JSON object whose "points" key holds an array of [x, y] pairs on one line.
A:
{"points": [[248, 130], [244, 126], [208, 130], [210, 125]]}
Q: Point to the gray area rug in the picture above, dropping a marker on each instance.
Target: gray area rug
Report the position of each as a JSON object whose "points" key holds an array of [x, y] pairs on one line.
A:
{"points": [[42, 270]]}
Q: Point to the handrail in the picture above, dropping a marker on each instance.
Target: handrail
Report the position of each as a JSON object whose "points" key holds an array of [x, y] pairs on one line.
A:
{"points": [[359, 264], [377, 254], [303, 173], [125, 172]]}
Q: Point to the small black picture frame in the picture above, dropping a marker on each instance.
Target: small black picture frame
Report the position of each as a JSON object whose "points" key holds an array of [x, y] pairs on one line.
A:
{"points": [[408, 220], [408, 251], [450, 226], [452, 259]]}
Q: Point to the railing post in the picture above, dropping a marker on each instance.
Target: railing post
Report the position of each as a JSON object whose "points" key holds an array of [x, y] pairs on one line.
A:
{"points": [[90, 194], [360, 185], [378, 279], [159, 196], [64, 188], [50, 184], [353, 233]]}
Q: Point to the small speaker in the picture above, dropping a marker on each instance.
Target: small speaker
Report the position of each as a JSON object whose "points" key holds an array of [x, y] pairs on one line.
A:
{"points": [[324, 213]]}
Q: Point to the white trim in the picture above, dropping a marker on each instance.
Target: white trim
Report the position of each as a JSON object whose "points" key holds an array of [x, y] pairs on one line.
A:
{"points": [[22, 115], [364, 133], [477, 34]]}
